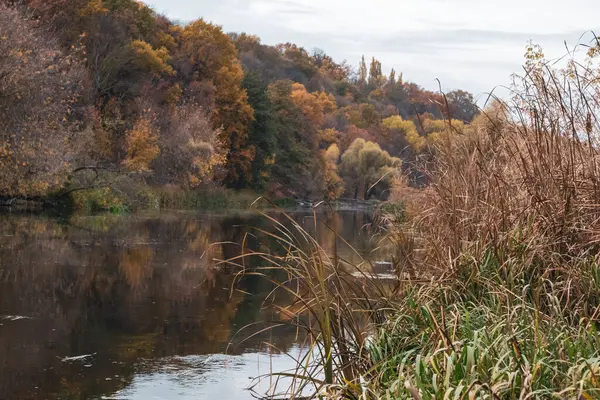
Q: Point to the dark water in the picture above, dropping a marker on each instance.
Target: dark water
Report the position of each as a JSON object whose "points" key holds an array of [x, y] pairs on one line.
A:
{"points": [[134, 307]]}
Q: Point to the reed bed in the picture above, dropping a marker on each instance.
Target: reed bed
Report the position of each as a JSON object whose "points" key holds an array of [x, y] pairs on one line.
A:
{"points": [[497, 293]]}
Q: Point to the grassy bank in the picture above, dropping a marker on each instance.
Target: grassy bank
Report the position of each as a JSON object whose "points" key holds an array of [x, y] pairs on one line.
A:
{"points": [[143, 197], [132, 195], [137, 196], [497, 287]]}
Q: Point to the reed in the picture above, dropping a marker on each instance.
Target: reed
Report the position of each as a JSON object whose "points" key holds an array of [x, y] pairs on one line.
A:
{"points": [[337, 304], [497, 293]]}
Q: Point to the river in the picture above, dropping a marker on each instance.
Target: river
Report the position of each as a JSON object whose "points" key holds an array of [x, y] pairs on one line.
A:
{"points": [[137, 306]]}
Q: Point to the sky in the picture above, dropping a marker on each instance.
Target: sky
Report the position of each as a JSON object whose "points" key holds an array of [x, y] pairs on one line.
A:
{"points": [[467, 44]]}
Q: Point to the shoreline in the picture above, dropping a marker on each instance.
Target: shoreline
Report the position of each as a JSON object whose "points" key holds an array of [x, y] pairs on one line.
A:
{"points": [[221, 200]]}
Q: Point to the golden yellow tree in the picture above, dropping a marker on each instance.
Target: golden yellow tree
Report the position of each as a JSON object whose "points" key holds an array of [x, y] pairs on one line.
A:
{"points": [[396, 125], [437, 130], [155, 61], [333, 183], [141, 146], [212, 56]]}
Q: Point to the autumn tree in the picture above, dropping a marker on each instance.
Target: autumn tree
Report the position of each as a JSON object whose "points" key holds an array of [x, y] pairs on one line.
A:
{"points": [[350, 134], [334, 185], [111, 32], [127, 50], [362, 72], [141, 145], [313, 105], [329, 68], [152, 61], [329, 136], [435, 130], [420, 101], [302, 68], [392, 78], [362, 115], [41, 110], [297, 169], [63, 14], [376, 77], [396, 94], [191, 154], [398, 132], [462, 105], [287, 61], [207, 54], [367, 170], [118, 87]]}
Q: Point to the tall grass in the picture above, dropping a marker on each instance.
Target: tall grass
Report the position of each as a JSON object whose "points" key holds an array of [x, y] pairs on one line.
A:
{"points": [[497, 293], [510, 225], [524, 183], [337, 304]]}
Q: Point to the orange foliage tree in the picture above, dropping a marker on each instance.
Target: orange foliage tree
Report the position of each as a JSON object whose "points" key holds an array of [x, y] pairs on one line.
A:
{"points": [[313, 105], [141, 146]]}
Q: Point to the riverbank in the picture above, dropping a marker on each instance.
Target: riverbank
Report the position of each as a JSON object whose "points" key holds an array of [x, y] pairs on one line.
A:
{"points": [[496, 285], [165, 197], [139, 197]]}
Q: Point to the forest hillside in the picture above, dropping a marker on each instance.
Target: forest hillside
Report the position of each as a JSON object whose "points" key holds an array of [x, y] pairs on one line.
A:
{"points": [[109, 96]]}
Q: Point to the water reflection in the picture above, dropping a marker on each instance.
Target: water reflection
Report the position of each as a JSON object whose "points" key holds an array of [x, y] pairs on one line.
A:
{"points": [[141, 298]]}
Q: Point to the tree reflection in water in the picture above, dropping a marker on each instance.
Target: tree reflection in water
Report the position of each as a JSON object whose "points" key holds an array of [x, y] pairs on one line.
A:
{"points": [[133, 291]]}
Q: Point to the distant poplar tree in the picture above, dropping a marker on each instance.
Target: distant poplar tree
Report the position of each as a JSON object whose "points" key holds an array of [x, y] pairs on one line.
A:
{"points": [[375, 74], [362, 72], [392, 80]]}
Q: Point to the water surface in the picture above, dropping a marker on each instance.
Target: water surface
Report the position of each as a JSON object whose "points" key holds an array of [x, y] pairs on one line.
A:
{"points": [[137, 307]]}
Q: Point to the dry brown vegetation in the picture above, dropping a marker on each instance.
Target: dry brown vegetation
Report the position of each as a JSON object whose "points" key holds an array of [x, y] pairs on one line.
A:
{"points": [[498, 278], [525, 177], [41, 93]]}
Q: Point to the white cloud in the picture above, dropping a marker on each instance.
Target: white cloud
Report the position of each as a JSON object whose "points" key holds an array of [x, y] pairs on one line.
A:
{"points": [[471, 44]]}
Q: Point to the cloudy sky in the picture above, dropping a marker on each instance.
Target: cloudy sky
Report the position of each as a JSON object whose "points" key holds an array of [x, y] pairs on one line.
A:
{"points": [[471, 44]]}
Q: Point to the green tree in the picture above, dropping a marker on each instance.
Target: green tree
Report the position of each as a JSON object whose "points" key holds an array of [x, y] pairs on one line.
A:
{"points": [[392, 79], [297, 169], [367, 170], [262, 133], [438, 129], [462, 105]]}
